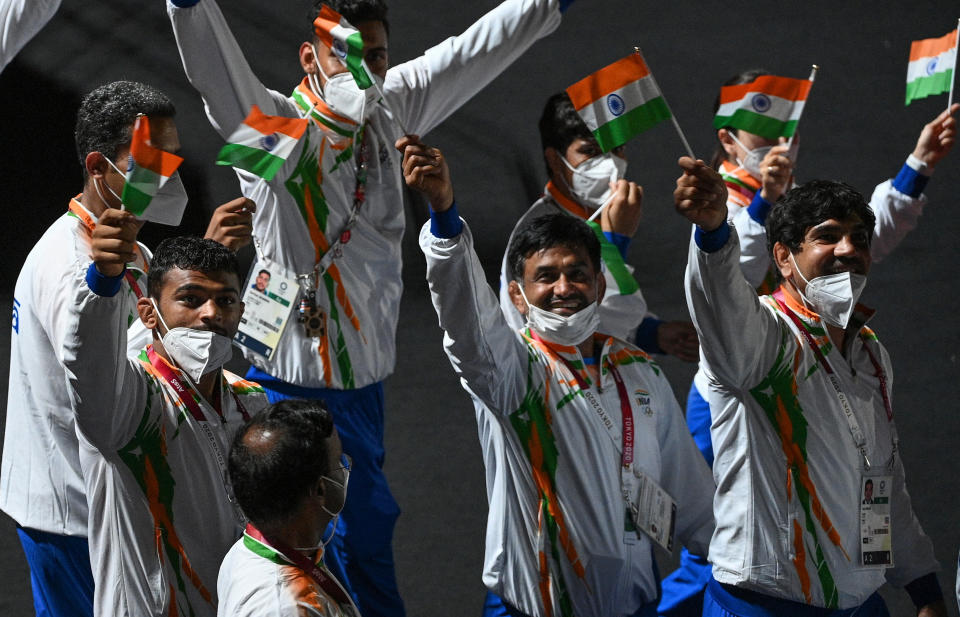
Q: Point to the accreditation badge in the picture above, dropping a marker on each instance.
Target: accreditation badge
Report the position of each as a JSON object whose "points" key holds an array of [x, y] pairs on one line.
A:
{"points": [[654, 510], [876, 545], [269, 299]]}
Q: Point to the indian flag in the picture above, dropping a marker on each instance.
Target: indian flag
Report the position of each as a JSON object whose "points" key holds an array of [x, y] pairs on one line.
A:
{"points": [[149, 169], [619, 101], [931, 68], [769, 106], [336, 33], [262, 143]]}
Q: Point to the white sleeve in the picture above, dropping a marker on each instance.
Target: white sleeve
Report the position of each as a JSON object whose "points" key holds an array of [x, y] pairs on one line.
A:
{"points": [[20, 21], [108, 391], [486, 354], [216, 67], [427, 89], [739, 338], [685, 475], [897, 214], [754, 255]]}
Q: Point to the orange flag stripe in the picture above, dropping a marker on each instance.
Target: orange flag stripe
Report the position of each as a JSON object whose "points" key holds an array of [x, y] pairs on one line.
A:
{"points": [[782, 87], [927, 48], [154, 159], [608, 79]]}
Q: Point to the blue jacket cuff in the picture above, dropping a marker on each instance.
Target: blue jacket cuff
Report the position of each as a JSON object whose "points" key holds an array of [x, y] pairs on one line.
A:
{"points": [[924, 590], [446, 224], [106, 286], [759, 208], [564, 5], [620, 241], [910, 182], [183, 4], [646, 337], [712, 241]]}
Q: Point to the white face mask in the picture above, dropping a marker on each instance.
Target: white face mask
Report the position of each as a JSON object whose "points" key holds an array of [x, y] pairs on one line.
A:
{"points": [[195, 352], [833, 296], [344, 96], [171, 199], [754, 157], [569, 330], [592, 178], [335, 515]]}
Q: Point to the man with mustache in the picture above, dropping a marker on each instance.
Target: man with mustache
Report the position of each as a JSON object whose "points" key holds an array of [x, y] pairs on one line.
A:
{"points": [[802, 415], [154, 431], [580, 430]]}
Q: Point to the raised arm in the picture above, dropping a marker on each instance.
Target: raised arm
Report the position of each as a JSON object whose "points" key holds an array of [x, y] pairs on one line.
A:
{"points": [[107, 390], [483, 350], [216, 67], [427, 89], [20, 20], [733, 327]]}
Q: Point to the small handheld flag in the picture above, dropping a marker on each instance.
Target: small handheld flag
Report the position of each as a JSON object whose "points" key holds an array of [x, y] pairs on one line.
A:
{"points": [[262, 143], [769, 106], [932, 65], [619, 101], [148, 170], [336, 33]]}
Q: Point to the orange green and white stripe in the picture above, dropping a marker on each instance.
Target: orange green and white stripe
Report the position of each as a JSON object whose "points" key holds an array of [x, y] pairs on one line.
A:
{"points": [[148, 170], [619, 101], [262, 143], [933, 63], [346, 42], [769, 106]]}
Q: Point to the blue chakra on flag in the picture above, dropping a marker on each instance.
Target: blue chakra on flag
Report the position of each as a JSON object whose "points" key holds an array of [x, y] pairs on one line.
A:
{"points": [[269, 142], [932, 66], [615, 104], [760, 102], [339, 48]]}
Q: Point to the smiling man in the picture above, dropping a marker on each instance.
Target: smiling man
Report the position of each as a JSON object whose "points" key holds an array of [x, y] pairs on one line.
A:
{"points": [[154, 431], [580, 431], [802, 417]]}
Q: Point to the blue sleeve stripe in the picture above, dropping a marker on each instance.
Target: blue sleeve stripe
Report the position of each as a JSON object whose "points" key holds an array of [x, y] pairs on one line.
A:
{"points": [[910, 182], [183, 4], [446, 224], [620, 241], [106, 286], [712, 241], [759, 208]]}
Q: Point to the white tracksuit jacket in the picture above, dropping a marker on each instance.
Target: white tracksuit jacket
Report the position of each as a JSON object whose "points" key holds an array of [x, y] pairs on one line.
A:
{"points": [[557, 518], [304, 208], [623, 306], [41, 484], [783, 448], [160, 517], [20, 21]]}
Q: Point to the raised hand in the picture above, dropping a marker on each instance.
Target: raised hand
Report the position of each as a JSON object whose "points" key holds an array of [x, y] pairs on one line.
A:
{"points": [[425, 170], [777, 172], [937, 137], [232, 223], [622, 214], [114, 241], [701, 195]]}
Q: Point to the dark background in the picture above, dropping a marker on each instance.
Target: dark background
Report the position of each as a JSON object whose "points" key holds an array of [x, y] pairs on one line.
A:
{"points": [[855, 128]]}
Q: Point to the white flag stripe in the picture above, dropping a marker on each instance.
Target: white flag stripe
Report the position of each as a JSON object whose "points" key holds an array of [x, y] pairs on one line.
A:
{"points": [[246, 135], [922, 67], [780, 108], [633, 95]]}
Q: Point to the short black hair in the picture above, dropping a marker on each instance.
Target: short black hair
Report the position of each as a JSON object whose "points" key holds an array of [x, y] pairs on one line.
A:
{"points": [[355, 11], [810, 204], [743, 77], [267, 272], [271, 478], [189, 253], [106, 115], [560, 125], [549, 231]]}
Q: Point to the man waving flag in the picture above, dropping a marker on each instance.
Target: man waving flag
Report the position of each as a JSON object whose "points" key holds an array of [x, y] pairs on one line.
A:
{"points": [[932, 65]]}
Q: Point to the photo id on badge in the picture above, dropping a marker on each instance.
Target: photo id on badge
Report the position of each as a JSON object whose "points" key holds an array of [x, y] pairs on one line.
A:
{"points": [[269, 299], [876, 544], [654, 511]]}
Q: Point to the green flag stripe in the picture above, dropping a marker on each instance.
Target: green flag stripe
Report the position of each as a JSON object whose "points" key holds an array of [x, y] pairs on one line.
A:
{"points": [[611, 257], [938, 83], [765, 126], [254, 160], [616, 132], [134, 200], [354, 61]]}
